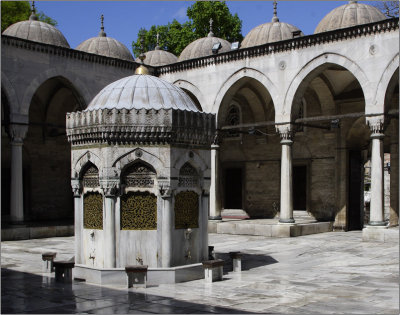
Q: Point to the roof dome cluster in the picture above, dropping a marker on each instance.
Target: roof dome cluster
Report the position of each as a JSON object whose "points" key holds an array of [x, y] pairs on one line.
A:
{"points": [[350, 14], [105, 46], [37, 31], [158, 57], [273, 31], [203, 46]]}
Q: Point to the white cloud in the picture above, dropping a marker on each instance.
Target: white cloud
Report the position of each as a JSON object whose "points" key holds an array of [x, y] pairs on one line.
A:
{"points": [[181, 13]]}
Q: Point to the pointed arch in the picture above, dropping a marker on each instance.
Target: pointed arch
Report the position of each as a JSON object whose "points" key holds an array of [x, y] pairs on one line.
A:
{"points": [[383, 86], [192, 89], [139, 155], [83, 94], [82, 161], [196, 161], [240, 74], [305, 75]]}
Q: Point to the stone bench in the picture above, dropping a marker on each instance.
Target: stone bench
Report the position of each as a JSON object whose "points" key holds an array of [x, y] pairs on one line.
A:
{"points": [[236, 261], [48, 259], [213, 270], [137, 275], [63, 271]]}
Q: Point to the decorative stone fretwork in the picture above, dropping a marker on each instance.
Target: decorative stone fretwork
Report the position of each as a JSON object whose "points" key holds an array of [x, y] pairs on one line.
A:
{"points": [[286, 133], [110, 187], [186, 210], [138, 211], [91, 177], [376, 124], [143, 126], [139, 175], [76, 187], [93, 211], [188, 176]]}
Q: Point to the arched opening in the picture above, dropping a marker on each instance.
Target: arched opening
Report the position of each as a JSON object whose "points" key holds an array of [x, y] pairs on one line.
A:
{"points": [[391, 149], [46, 143], [194, 99], [5, 157], [331, 145], [249, 153]]}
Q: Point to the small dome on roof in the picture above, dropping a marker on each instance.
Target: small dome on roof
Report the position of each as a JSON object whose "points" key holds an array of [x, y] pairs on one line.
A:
{"points": [[273, 31], [158, 57], [37, 31], [350, 14], [203, 46], [105, 46], [142, 91]]}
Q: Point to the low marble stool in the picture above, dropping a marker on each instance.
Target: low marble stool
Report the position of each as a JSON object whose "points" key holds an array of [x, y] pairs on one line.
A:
{"points": [[236, 261], [48, 259], [213, 270], [63, 271], [137, 276]]}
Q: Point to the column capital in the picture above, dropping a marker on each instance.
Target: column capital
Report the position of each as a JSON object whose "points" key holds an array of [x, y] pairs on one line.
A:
{"points": [[76, 185], [110, 187], [166, 187], [18, 133], [376, 125], [286, 132]]}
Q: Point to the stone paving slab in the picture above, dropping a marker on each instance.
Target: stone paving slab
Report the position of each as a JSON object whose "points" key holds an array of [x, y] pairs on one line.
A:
{"points": [[329, 273]]}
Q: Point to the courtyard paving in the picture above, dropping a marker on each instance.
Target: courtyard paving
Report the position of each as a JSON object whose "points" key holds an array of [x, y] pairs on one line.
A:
{"points": [[329, 273]]}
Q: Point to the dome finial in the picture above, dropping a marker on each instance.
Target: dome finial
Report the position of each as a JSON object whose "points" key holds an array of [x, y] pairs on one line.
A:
{"points": [[33, 16], [211, 34], [158, 42], [102, 33], [142, 69], [275, 17]]}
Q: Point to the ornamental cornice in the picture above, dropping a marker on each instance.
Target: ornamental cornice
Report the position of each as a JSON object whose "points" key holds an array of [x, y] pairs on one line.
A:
{"points": [[283, 46], [143, 126], [67, 52]]}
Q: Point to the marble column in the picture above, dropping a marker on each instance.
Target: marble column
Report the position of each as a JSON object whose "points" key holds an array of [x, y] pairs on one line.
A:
{"points": [[286, 214], [377, 192], [215, 197], [167, 228], [110, 190], [17, 133], [205, 201], [78, 224]]}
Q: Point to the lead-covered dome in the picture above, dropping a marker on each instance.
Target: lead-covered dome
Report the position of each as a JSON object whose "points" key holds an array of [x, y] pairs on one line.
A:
{"points": [[273, 31], [158, 57], [37, 31], [350, 14], [105, 46], [203, 46], [142, 92]]}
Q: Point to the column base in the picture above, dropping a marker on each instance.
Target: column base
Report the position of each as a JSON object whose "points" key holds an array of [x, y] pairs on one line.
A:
{"points": [[286, 221], [374, 233], [377, 223], [217, 218]]}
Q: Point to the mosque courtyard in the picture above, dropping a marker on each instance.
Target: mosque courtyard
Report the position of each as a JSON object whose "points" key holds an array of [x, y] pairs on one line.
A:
{"points": [[328, 273]]}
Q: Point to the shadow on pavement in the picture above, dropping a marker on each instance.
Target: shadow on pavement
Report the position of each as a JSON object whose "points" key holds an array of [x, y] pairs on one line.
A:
{"points": [[249, 261], [29, 293]]}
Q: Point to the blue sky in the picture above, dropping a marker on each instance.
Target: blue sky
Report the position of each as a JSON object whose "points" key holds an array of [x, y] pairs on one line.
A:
{"points": [[80, 20]]}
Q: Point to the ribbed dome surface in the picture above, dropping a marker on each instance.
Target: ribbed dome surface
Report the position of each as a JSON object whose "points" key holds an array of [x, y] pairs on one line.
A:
{"points": [[158, 57], [203, 47], [348, 15], [105, 46], [269, 33], [37, 31], [142, 91]]}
